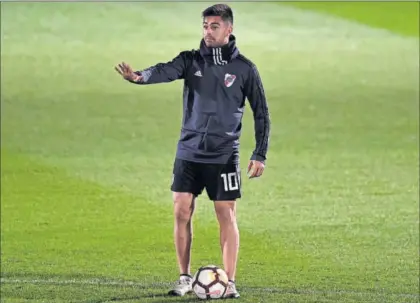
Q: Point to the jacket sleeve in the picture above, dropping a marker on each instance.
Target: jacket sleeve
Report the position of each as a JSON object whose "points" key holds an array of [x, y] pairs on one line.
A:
{"points": [[256, 97], [165, 72]]}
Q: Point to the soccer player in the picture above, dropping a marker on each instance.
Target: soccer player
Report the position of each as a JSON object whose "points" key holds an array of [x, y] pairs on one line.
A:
{"points": [[217, 80]]}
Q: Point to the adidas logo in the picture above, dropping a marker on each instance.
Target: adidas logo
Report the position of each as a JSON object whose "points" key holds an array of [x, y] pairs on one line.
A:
{"points": [[198, 74]]}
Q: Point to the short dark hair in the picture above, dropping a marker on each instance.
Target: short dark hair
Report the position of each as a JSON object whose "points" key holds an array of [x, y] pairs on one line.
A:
{"points": [[221, 10]]}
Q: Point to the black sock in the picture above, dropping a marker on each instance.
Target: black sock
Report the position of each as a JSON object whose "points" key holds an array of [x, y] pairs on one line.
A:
{"points": [[232, 281]]}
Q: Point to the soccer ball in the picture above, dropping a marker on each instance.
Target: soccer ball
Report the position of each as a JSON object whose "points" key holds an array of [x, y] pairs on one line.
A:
{"points": [[210, 282]]}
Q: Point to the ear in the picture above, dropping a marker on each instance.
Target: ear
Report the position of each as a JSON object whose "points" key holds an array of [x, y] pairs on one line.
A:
{"points": [[230, 30]]}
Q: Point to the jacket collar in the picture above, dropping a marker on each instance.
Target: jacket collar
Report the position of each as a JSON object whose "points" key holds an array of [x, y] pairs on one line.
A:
{"points": [[220, 55]]}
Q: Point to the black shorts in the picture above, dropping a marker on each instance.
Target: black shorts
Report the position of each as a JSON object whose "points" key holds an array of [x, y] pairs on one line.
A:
{"points": [[221, 181]]}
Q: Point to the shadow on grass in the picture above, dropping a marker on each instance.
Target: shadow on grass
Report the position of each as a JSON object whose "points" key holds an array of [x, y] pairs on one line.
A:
{"points": [[159, 298]]}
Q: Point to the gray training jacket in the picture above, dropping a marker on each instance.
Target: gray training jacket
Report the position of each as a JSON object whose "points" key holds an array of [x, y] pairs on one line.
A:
{"points": [[216, 83]]}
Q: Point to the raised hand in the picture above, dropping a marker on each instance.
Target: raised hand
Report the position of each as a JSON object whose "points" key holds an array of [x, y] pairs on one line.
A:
{"points": [[127, 73]]}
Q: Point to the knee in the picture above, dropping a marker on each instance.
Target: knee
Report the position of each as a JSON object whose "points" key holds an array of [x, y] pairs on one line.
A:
{"points": [[183, 206], [226, 214]]}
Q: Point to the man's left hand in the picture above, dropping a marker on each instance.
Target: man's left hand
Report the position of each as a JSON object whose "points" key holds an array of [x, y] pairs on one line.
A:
{"points": [[256, 168]]}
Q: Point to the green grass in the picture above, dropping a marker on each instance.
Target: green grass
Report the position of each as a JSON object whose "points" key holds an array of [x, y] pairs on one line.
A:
{"points": [[398, 16], [86, 212]]}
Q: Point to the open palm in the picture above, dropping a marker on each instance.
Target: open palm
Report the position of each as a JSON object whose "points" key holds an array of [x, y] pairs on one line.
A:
{"points": [[127, 72]]}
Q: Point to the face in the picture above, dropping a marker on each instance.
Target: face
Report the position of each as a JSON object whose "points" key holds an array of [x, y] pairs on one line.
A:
{"points": [[216, 31]]}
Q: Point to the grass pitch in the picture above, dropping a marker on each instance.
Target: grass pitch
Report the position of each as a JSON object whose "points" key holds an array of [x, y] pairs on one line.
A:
{"points": [[86, 158]]}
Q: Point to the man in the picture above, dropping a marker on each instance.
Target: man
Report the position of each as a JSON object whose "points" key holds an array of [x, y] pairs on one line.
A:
{"points": [[217, 80]]}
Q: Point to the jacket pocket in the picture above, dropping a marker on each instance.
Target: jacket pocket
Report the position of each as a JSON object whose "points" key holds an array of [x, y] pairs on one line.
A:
{"points": [[190, 139], [211, 143]]}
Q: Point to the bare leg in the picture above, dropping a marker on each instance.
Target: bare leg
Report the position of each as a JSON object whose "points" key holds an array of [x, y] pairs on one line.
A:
{"points": [[229, 235], [183, 210]]}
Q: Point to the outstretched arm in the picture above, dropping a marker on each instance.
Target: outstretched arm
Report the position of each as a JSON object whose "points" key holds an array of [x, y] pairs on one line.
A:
{"points": [[159, 73], [256, 97]]}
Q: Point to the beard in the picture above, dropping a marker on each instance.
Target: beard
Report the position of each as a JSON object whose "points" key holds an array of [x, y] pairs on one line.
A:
{"points": [[211, 42]]}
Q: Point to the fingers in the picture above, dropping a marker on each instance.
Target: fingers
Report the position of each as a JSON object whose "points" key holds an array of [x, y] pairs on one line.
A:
{"points": [[258, 169], [127, 68], [127, 73], [118, 71], [251, 163], [124, 69], [252, 168]]}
